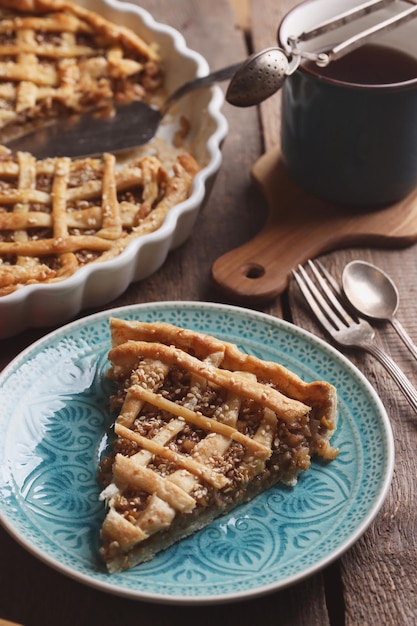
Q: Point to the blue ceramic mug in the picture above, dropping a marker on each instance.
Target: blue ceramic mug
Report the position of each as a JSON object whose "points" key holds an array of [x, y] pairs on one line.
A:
{"points": [[349, 131]]}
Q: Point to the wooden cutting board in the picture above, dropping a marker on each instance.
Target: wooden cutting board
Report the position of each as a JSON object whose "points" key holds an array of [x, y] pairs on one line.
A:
{"points": [[300, 226]]}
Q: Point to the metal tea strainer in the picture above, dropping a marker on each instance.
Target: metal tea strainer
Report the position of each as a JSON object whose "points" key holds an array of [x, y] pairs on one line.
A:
{"points": [[252, 81], [263, 73]]}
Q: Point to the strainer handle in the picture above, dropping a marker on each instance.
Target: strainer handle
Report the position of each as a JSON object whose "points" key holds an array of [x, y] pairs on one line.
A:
{"points": [[323, 58]]}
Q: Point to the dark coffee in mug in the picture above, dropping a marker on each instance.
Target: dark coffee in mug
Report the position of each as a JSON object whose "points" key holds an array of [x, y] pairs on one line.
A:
{"points": [[371, 64]]}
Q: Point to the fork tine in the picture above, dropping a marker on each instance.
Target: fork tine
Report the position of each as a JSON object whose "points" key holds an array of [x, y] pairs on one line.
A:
{"points": [[315, 300], [325, 300], [333, 293], [329, 277]]}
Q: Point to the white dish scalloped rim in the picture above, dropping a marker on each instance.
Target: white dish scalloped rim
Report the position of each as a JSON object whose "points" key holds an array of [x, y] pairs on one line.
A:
{"points": [[97, 284], [53, 420]]}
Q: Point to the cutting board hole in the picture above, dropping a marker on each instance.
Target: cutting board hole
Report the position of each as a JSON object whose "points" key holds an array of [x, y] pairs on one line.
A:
{"points": [[254, 271]]}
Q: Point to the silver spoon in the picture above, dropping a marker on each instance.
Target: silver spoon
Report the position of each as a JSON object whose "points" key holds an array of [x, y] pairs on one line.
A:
{"points": [[135, 124], [373, 294]]}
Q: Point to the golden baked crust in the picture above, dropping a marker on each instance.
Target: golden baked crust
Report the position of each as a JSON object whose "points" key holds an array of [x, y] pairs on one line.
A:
{"points": [[201, 428], [57, 58], [57, 215]]}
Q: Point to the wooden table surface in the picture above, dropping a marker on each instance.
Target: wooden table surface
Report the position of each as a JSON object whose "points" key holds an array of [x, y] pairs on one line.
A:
{"points": [[374, 581]]}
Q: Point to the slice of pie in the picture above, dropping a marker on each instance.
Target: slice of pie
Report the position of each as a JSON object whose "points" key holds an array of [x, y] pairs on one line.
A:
{"points": [[57, 58], [58, 215], [201, 428]]}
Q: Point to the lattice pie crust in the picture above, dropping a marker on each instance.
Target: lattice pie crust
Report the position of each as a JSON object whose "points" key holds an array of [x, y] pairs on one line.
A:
{"points": [[201, 428], [56, 57], [57, 215]]}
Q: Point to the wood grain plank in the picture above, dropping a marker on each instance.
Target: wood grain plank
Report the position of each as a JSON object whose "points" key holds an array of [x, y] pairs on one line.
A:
{"points": [[241, 9], [378, 573]]}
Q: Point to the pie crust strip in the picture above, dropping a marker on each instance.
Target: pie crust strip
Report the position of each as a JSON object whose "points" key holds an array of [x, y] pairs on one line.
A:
{"points": [[207, 473], [69, 226], [197, 419], [127, 355]]}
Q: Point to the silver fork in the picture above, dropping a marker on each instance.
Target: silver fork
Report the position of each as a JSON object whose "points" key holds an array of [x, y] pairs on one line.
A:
{"points": [[324, 297]]}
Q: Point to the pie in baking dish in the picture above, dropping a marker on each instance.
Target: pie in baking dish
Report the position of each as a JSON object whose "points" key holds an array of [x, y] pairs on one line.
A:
{"points": [[58, 215], [57, 57], [201, 428]]}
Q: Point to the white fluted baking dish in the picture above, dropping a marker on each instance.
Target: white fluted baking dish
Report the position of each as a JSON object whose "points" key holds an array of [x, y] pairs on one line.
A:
{"points": [[99, 283]]}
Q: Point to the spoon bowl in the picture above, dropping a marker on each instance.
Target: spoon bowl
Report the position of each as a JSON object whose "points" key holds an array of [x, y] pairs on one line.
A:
{"points": [[370, 290], [373, 294]]}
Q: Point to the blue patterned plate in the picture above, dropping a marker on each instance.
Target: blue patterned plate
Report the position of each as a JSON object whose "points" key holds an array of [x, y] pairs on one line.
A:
{"points": [[53, 419]]}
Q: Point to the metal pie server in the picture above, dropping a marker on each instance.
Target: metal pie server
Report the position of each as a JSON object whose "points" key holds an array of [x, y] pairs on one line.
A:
{"points": [[124, 127]]}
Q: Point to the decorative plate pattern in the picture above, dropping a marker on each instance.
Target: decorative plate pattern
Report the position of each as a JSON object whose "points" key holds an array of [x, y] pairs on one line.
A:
{"points": [[54, 424]]}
